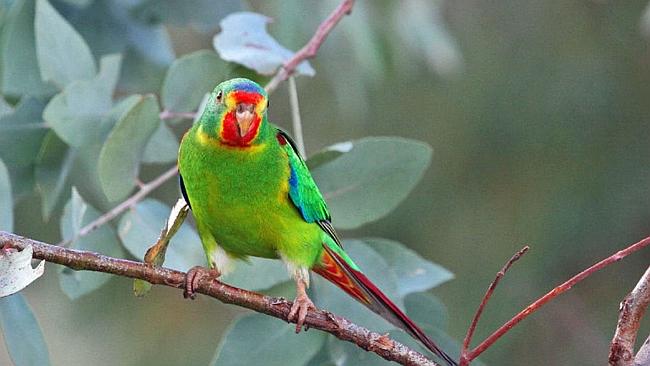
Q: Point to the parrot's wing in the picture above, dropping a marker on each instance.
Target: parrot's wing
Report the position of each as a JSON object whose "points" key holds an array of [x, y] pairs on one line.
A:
{"points": [[303, 190]]}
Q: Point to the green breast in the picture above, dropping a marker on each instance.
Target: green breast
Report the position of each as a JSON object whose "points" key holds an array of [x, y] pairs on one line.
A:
{"points": [[241, 196]]}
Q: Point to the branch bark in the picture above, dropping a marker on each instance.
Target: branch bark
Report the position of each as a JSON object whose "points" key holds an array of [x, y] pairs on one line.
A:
{"points": [[341, 328], [310, 49], [633, 307], [560, 289]]}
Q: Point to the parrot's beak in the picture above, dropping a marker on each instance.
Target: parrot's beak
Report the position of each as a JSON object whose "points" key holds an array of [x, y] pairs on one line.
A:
{"points": [[244, 114]]}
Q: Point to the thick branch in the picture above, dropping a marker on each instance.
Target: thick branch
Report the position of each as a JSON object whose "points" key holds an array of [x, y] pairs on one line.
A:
{"points": [[311, 48], [553, 294], [621, 352], [277, 307]]}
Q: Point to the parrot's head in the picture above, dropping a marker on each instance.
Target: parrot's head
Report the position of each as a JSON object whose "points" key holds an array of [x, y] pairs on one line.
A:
{"points": [[235, 112]]}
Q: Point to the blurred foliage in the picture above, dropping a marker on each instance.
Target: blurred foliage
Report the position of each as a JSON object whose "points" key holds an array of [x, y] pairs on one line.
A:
{"points": [[537, 113]]}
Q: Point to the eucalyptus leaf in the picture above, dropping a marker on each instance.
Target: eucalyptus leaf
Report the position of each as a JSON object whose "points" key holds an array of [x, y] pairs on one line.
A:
{"points": [[76, 215], [328, 154], [20, 71], [63, 56], [22, 133], [16, 270], [274, 343], [329, 297], [120, 157], [52, 170], [257, 274], [162, 147], [76, 114], [413, 272], [243, 39], [189, 78], [203, 15], [22, 334], [6, 201], [426, 309], [371, 179], [140, 227]]}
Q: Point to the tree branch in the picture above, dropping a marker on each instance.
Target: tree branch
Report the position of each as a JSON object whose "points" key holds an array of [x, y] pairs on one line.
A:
{"points": [[464, 361], [277, 307], [633, 306], [489, 341], [311, 48]]}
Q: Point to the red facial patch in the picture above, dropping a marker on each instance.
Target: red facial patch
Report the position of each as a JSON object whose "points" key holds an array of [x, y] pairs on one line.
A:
{"points": [[230, 131]]}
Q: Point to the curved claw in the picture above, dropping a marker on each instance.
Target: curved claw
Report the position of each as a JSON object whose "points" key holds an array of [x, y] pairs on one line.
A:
{"points": [[301, 305], [194, 276]]}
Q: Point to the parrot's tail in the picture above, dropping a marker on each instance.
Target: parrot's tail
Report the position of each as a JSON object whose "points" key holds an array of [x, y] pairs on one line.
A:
{"points": [[336, 269]]}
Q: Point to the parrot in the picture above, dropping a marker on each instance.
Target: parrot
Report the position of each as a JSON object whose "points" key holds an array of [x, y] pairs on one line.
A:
{"points": [[251, 194]]}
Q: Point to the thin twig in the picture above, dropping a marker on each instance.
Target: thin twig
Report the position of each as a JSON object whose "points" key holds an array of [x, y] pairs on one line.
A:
{"points": [[145, 189], [621, 352], [553, 294], [277, 307], [311, 48], [166, 114], [295, 117], [472, 328]]}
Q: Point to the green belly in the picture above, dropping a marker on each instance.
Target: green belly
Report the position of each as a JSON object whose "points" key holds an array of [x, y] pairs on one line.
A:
{"points": [[241, 197]]}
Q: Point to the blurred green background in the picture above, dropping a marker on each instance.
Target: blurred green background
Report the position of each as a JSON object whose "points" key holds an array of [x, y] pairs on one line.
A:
{"points": [[538, 113]]}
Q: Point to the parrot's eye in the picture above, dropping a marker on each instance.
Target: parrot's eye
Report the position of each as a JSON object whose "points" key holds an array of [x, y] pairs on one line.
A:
{"points": [[219, 96], [268, 104]]}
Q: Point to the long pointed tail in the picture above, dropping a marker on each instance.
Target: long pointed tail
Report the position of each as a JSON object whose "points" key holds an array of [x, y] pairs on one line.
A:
{"points": [[337, 270]]}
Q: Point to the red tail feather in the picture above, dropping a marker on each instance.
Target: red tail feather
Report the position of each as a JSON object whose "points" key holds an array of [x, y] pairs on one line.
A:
{"points": [[356, 284]]}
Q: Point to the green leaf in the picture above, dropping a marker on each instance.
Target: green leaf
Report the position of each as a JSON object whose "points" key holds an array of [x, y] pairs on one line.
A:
{"points": [[189, 78], [202, 14], [76, 114], [414, 273], [26, 126], [348, 354], [140, 227], [162, 146], [328, 154], [22, 334], [243, 39], [257, 274], [20, 72], [370, 180], [6, 201], [79, 3], [76, 215], [260, 338], [332, 298], [52, 170], [426, 309], [63, 56], [119, 160]]}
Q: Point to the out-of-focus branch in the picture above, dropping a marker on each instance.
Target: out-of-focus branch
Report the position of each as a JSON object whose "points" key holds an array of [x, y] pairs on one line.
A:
{"points": [[311, 48], [633, 306], [145, 189], [340, 327], [489, 341], [464, 361]]}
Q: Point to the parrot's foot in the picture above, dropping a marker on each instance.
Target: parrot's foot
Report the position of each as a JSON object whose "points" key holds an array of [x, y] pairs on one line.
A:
{"points": [[301, 305], [196, 275]]}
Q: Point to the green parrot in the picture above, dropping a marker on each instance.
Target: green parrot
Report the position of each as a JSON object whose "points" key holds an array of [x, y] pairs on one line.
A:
{"points": [[251, 194]]}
